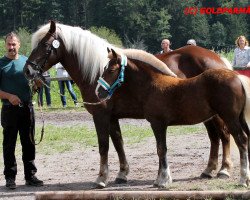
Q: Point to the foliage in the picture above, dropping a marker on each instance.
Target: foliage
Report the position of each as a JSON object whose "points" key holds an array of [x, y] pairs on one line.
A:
{"points": [[136, 43], [107, 34], [2, 48], [140, 23], [218, 34], [25, 38]]}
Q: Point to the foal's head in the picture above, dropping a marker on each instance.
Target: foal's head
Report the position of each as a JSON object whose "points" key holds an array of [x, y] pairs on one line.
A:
{"points": [[113, 75]]}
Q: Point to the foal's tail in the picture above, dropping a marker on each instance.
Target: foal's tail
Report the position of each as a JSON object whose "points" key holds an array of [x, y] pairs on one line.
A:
{"points": [[227, 63], [246, 85], [245, 81]]}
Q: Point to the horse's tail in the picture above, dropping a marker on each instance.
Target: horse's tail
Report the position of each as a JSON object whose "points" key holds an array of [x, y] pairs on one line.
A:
{"points": [[245, 81], [245, 119], [227, 63]]}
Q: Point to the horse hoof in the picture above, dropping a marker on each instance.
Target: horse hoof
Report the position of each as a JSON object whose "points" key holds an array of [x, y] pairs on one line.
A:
{"points": [[120, 181], [205, 175], [243, 185], [100, 185], [160, 186], [223, 174]]}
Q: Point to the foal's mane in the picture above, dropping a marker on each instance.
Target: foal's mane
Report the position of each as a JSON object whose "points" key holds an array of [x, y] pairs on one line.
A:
{"points": [[91, 50], [148, 58]]}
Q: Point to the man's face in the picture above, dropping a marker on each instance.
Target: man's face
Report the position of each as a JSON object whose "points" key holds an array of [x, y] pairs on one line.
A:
{"points": [[165, 44], [12, 46]]}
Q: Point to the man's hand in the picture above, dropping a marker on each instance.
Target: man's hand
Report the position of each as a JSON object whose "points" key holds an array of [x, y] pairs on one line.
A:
{"points": [[14, 100]]}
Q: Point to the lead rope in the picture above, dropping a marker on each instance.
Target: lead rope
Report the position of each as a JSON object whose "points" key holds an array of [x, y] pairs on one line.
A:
{"points": [[32, 114], [84, 102], [32, 119]]}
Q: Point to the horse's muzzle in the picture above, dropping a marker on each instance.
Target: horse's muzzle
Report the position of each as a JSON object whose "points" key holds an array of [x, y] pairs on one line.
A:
{"points": [[29, 72]]}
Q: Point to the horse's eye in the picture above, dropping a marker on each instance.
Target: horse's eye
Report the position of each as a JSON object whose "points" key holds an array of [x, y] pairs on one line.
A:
{"points": [[46, 44], [112, 69]]}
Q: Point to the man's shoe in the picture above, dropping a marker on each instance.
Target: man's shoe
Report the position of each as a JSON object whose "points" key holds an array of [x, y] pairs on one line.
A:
{"points": [[34, 181], [10, 183]]}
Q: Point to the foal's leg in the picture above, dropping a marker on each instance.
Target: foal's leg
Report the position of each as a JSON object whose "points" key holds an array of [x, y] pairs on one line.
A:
{"points": [[241, 140], [115, 133], [102, 125], [217, 130], [163, 177]]}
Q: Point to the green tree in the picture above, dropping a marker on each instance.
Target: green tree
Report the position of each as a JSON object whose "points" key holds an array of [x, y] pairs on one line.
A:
{"points": [[107, 34], [135, 19], [25, 38], [218, 34]]}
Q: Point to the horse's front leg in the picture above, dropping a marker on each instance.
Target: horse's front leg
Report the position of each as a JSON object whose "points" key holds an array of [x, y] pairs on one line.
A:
{"points": [[163, 177], [102, 125], [115, 133]]}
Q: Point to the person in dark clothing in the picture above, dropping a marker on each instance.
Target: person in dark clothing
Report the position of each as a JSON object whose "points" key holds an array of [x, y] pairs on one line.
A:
{"points": [[46, 89], [16, 114]]}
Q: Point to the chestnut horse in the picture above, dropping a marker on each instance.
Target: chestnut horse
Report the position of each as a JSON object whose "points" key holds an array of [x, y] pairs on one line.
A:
{"points": [[84, 56], [190, 61], [166, 101]]}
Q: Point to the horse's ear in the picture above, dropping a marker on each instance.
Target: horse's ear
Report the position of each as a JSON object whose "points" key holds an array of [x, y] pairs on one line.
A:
{"points": [[52, 28], [114, 53], [108, 50]]}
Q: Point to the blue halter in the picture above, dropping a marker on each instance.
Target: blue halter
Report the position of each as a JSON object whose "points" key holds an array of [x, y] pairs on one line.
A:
{"points": [[119, 80]]}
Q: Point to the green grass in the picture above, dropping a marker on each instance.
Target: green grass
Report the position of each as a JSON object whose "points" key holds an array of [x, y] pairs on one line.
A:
{"points": [[229, 55], [59, 139]]}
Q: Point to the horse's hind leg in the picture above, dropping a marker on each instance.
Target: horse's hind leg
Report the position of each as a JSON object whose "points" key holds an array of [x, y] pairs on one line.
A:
{"points": [[217, 130], [241, 140], [163, 177], [115, 133]]}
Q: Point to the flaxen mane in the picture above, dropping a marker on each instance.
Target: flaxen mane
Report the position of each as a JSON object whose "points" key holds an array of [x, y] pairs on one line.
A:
{"points": [[90, 49], [148, 58]]}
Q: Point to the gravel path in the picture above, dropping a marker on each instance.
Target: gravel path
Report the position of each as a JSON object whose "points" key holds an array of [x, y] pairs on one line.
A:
{"points": [[78, 169]]}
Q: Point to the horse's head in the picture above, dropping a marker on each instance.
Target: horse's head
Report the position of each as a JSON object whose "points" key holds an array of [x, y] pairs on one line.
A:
{"points": [[113, 75], [46, 52]]}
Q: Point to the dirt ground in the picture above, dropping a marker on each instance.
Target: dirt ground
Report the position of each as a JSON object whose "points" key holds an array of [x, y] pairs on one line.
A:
{"points": [[78, 169]]}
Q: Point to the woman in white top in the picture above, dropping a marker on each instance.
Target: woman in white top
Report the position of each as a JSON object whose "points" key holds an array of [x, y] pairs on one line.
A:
{"points": [[241, 53]]}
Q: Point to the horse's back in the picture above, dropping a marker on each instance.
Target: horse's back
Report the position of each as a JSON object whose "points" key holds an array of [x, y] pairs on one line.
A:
{"points": [[223, 87], [190, 61]]}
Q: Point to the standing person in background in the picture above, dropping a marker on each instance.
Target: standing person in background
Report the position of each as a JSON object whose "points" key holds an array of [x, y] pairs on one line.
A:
{"points": [[62, 73], [46, 90], [241, 53], [16, 114], [165, 46], [191, 42]]}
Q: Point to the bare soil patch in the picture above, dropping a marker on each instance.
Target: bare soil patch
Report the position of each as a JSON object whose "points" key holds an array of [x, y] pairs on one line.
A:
{"points": [[78, 169]]}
